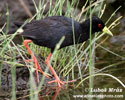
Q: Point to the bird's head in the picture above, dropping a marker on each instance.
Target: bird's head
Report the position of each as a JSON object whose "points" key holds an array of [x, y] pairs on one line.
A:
{"points": [[98, 25]]}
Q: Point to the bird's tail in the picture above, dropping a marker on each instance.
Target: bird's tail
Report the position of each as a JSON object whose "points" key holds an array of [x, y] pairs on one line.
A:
{"points": [[15, 29]]}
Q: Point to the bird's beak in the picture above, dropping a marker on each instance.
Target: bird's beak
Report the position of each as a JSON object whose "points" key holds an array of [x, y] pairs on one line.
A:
{"points": [[107, 31]]}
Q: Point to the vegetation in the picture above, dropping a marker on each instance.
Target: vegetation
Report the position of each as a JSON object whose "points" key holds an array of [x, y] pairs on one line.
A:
{"points": [[73, 62]]}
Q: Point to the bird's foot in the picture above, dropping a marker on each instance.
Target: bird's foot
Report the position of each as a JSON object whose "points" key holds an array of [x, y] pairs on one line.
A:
{"points": [[29, 60], [38, 68], [57, 79], [61, 83]]}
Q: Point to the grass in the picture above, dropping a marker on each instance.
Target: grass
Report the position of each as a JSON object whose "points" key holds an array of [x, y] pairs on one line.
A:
{"points": [[66, 60]]}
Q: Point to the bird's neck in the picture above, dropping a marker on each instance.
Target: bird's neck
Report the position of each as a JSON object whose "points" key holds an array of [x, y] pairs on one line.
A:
{"points": [[85, 31]]}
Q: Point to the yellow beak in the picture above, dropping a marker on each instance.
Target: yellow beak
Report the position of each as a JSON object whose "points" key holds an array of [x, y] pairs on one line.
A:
{"points": [[107, 31]]}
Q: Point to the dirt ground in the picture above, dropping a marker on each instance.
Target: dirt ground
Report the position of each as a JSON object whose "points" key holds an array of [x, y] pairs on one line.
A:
{"points": [[17, 12]]}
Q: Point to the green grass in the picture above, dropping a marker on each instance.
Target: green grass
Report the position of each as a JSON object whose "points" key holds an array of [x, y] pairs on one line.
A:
{"points": [[66, 60]]}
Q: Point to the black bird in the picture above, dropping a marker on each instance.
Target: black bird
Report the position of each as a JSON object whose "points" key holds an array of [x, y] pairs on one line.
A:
{"points": [[47, 32]]}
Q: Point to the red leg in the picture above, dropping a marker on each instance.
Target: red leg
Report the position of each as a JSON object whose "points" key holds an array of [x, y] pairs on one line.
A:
{"points": [[29, 60], [35, 60], [57, 92], [57, 80]]}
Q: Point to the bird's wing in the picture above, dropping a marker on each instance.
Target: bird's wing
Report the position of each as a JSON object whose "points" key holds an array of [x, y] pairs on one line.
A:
{"points": [[48, 27], [48, 31]]}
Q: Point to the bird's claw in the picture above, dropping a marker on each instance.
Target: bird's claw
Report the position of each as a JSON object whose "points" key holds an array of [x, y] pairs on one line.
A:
{"points": [[60, 83]]}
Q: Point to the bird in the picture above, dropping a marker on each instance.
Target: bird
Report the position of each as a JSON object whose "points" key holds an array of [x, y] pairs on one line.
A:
{"points": [[48, 31]]}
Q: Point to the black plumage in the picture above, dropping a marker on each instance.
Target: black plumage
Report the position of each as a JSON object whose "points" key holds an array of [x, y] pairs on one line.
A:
{"points": [[48, 31]]}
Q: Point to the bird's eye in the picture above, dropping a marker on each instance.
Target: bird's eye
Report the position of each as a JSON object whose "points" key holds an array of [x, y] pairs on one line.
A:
{"points": [[100, 25]]}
